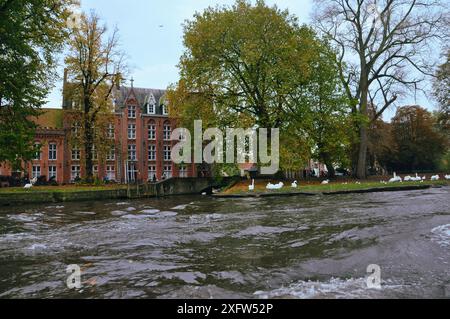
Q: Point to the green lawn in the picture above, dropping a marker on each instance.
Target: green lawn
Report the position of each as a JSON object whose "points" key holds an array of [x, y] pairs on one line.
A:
{"points": [[260, 188], [59, 189]]}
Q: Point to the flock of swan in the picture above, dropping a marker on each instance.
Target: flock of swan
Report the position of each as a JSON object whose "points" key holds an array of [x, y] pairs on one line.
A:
{"points": [[395, 179], [417, 178]]}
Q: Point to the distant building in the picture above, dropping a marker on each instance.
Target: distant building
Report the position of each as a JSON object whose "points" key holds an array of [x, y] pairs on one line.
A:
{"points": [[140, 132]]}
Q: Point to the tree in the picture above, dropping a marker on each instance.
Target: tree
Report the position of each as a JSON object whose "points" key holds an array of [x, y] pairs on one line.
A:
{"points": [[95, 66], [254, 66], [418, 145], [32, 32], [328, 113], [247, 60], [384, 51], [441, 90]]}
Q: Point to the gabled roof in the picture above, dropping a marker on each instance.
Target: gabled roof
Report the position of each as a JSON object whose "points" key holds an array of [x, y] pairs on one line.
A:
{"points": [[143, 96]]}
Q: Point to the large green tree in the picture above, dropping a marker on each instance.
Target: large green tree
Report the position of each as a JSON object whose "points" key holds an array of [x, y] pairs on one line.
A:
{"points": [[255, 66], [31, 33]]}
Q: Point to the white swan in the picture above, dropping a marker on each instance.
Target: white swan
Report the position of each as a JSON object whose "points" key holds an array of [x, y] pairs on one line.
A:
{"points": [[435, 178], [408, 179], [417, 178], [252, 187], [275, 186], [447, 177], [395, 179], [31, 184], [326, 182], [294, 184]]}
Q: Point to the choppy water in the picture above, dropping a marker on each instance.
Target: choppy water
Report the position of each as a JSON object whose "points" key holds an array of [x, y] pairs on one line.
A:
{"points": [[201, 247]]}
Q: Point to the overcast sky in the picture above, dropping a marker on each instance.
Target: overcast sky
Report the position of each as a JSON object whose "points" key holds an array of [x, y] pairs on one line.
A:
{"points": [[154, 51]]}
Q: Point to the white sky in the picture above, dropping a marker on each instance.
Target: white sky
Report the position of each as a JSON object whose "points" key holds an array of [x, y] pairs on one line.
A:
{"points": [[153, 52]]}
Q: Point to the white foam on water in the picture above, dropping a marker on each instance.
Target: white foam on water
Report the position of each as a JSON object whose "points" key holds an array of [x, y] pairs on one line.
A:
{"points": [[85, 213], [150, 211], [131, 209], [118, 213], [180, 207], [335, 288], [441, 235], [23, 218], [134, 216], [164, 215], [37, 247], [54, 207], [122, 204]]}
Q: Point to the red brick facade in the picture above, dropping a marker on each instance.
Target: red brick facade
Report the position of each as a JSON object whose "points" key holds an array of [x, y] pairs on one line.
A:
{"points": [[142, 143]]}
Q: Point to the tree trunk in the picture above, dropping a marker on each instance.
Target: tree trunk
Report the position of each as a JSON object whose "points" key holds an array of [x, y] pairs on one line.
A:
{"points": [[361, 165], [331, 170], [361, 168], [88, 143]]}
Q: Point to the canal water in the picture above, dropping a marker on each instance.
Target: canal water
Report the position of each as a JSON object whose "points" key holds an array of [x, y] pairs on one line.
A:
{"points": [[203, 247]]}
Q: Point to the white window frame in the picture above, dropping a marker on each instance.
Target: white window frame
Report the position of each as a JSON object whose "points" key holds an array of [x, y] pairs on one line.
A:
{"points": [[131, 131], [52, 173], [168, 173], [111, 156], [75, 172], [132, 153], [151, 132], [111, 172], [131, 111], [36, 171], [152, 152], [132, 171], [151, 172], [151, 108], [76, 154], [165, 111], [167, 132], [167, 153], [183, 171], [52, 152]]}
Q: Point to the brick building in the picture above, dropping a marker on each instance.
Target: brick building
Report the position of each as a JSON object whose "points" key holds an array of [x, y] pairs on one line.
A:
{"points": [[140, 133]]}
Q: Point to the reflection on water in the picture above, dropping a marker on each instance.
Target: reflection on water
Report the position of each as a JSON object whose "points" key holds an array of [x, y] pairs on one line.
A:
{"points": [[201, 247]]}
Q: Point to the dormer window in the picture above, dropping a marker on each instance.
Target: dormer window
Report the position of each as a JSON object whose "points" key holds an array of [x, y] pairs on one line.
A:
{"points": [[151, 108], [165, 111], [131, 112]]}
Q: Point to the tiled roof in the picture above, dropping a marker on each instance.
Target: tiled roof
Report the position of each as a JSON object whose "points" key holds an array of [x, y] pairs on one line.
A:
{"points": [[50, 119], [143, 96]]}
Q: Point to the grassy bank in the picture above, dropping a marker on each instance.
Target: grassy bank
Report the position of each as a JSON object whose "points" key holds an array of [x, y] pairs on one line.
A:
{"points": [[60, 189], [337, 187]]}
